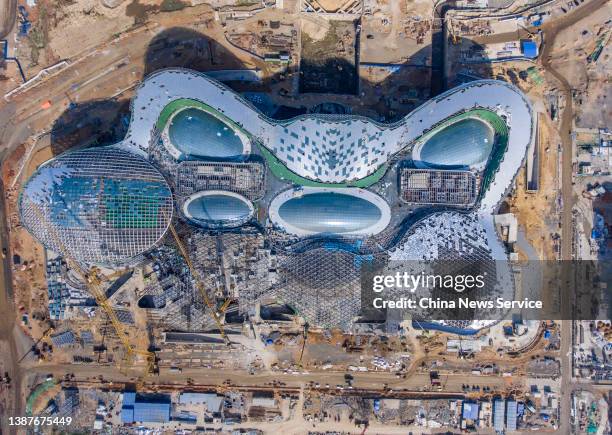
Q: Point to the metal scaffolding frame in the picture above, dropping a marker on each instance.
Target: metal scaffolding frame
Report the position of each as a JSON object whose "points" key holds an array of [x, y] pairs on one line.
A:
{"points": [[107, 205]]}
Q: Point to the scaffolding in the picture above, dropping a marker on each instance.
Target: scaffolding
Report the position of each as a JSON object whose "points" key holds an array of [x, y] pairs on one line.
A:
{"points": [[170, 297], [246, 179], [322, 285], [438, 187]]}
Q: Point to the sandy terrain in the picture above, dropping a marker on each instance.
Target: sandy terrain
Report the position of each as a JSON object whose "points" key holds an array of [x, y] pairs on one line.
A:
{"points": [[88, 23], [589, 80]]}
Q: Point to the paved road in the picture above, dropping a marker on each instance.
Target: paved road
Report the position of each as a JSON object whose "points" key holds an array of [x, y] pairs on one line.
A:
{"points": [[24, 116]]}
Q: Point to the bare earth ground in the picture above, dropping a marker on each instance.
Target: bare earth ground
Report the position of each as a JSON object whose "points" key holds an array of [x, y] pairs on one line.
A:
{"points": [[389, 34], [327, 65], [536, 211], [590, 81]]}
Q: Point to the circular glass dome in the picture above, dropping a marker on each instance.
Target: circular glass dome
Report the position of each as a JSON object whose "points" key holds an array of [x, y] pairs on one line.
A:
{"points": [[198, 134], [466, 143], [218, 209], [330, 212], [103, 205]]}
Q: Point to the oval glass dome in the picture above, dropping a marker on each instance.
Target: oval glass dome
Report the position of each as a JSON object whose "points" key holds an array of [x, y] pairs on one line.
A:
{"points": [[466, 143], [198, 134], [218, 209], [331, 212]]}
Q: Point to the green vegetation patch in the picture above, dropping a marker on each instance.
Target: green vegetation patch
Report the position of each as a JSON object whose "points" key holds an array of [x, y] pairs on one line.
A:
{"points": [[534, 75], [171, 5], [42, 388]]}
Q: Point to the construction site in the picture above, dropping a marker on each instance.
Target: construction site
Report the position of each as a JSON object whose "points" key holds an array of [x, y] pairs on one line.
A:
{"points": [[252, 327], [200, 300]]}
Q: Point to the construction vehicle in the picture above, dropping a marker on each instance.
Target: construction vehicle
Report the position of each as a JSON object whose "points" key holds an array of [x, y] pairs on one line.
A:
{"points": [[93, 282], [198, 282], [47, 334], [529, 32]]}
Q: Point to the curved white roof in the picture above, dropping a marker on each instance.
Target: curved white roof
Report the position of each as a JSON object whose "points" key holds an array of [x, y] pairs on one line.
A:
{"points": [[337, 149], [455, 237]]}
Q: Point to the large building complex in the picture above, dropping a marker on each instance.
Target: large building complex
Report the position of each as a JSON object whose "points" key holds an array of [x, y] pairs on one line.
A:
{"points": [[312, 177]]}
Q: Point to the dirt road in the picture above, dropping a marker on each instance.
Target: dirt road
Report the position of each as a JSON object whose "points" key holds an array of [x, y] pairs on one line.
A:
{"points": [[7, 324], [419, 382], [550, 32]]}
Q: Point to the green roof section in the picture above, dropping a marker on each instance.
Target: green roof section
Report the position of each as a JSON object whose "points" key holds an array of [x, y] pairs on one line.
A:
{"points": [[277, 167], [188, 103], [500, 145], [280, 170]]}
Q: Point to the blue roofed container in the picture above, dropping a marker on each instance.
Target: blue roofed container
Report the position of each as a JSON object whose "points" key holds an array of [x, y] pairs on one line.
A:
{"points": [[529, 48], [127, 414], [470, 411], [146, 408], [511, 415], [127, 407], [152, 412], [499, 415]]}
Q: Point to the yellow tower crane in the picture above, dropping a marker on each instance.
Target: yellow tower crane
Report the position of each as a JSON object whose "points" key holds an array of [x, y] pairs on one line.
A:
{"points": [[198, 283], [93, 282], [453, 34], [226, 304]]}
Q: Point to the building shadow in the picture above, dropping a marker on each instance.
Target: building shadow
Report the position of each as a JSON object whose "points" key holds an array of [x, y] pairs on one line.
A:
{"points": [[403, 87], [93, 123]]}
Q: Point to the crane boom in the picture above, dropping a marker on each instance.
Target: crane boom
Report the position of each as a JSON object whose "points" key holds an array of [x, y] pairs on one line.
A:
{"points": [[94, 284], [198, 282]]}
